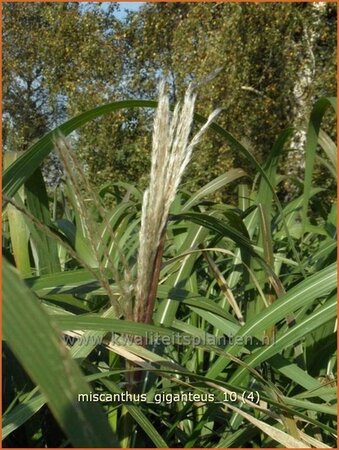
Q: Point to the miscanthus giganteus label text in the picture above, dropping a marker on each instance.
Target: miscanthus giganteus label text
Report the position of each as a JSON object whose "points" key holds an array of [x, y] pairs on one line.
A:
{"points": [[169, 397]]}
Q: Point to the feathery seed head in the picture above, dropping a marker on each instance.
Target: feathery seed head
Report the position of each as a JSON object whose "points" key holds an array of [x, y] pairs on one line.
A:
{"points": [[171, 153]]}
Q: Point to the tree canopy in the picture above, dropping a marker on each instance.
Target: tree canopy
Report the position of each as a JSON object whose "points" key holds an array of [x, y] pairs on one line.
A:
{"points": [[275, 59]]}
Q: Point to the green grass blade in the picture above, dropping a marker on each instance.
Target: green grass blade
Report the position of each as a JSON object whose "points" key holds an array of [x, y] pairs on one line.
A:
{"points": [[139, 417], [18, 230], [214, 185], [167, 308], [301, 378], [19, 234], [98, 323], [37, 204], [21, 413], [302, 294], [313, 130], [73, 281], [329, 148], [25, 166], [34, 340], [78, 242], [265, 194], [218, 226], [312, 322]]}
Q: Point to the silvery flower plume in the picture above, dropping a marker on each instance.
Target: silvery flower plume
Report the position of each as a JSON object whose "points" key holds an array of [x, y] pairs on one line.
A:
{"points": [[171, 153]]}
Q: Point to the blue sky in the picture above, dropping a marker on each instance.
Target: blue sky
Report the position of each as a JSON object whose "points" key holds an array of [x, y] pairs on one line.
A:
{"points": [[131, 6]]}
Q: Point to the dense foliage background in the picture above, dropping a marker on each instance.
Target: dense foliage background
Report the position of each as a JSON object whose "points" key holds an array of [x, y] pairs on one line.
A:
{"points": [[275, 60]]}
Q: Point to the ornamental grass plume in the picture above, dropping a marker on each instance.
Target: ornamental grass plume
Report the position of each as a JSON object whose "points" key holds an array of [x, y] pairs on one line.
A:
{"points": [[82, 193], [171, 153]]}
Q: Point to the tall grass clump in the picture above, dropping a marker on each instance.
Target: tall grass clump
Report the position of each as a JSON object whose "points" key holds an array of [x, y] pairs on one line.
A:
{"points": [[240, 297]]}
